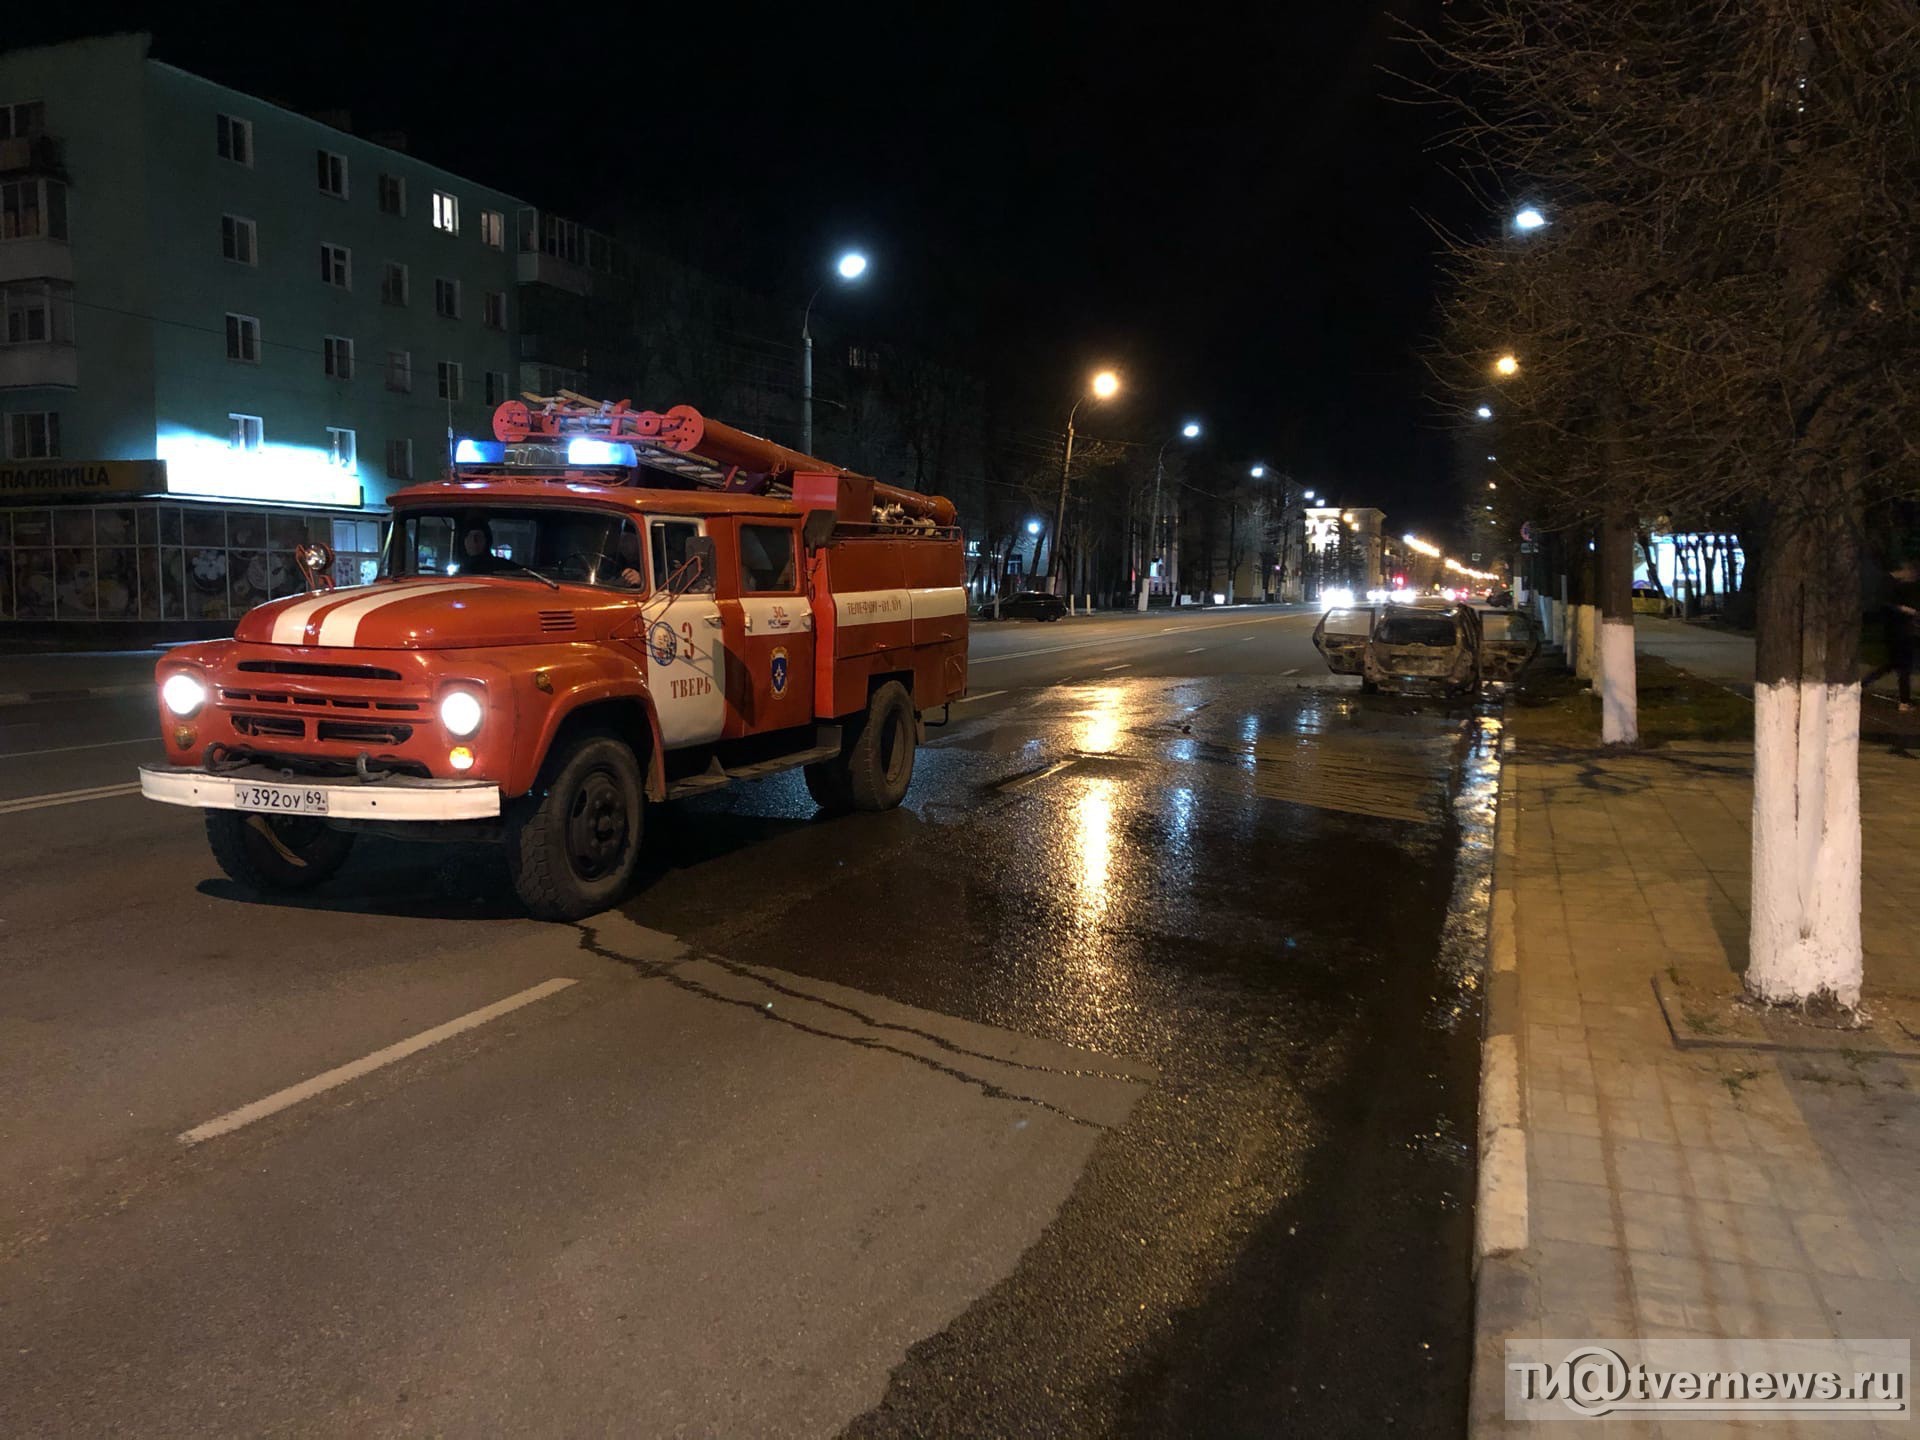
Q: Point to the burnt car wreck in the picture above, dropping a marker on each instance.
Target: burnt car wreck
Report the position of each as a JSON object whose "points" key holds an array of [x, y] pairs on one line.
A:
{"points": [[1426, 650]]}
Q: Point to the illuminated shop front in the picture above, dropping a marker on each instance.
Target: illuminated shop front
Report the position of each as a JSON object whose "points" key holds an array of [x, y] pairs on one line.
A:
{"points": [[92, 541]]}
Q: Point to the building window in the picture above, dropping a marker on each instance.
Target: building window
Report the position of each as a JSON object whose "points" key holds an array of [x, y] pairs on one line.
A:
{"points": [[336, 266], [233, 138], [393, 283], [36, 312], [343, 448], [333, 173], [33, 210], [862, 358], [446, 212], [446, 297], [245, 432], [33, 435], [450, 380], [337, 353], [494, 309], [493, 229], [399, 459], [400, 371], [393, 195], [243, 338], [237, 240], [496, 387], [23, 121]]}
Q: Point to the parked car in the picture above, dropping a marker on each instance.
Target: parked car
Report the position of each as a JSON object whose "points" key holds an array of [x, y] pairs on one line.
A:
{"points": [[1421, 649], [1026, 605]]}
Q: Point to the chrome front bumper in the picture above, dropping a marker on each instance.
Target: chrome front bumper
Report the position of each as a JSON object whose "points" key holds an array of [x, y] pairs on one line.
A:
{"points": [[395, 797]]}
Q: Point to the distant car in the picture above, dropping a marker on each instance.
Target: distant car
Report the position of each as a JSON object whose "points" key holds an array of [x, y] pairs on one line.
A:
{"points": [[1026, 605], [1414, 649]]}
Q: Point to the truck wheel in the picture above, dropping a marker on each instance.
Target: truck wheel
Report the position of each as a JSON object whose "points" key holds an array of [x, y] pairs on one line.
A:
{"points": [[573, 853], [830, 785], [276, 852], [879, 763]]}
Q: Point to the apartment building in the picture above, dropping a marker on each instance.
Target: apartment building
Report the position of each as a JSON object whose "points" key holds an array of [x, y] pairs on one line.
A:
{"points": [[224, 327]]}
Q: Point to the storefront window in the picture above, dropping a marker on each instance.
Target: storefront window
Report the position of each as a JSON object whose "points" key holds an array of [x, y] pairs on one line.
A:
{"points": [[167, 562]]}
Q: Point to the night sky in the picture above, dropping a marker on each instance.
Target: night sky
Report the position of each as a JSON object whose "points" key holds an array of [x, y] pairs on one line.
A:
{"points": [[1225, 202]]}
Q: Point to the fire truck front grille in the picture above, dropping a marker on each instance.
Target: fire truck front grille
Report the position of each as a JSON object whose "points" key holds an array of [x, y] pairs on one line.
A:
{"points": [[320, 702], [361, 732], [282, 726], [311, 667]]}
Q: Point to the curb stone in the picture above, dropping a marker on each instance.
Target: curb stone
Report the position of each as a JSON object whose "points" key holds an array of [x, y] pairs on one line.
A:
{"points": [[1502, 1280]]}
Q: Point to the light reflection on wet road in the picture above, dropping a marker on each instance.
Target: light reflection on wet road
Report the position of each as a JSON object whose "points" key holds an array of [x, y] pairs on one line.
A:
{"points": [[1162, 870]]}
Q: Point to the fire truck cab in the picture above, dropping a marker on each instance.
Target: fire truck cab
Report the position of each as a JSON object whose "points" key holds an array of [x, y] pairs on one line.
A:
{"points": [[599, 608]]}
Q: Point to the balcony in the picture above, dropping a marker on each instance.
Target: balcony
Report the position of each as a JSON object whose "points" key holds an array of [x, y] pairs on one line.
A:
{"points": [[32, 155], [41, 365], [558, 252]]}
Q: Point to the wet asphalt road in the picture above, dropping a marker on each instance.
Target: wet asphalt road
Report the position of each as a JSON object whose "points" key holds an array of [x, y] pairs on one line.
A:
{"points": [[1122, 1082]]}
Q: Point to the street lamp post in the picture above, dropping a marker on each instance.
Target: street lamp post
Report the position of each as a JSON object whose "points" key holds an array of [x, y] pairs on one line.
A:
{"points": [[1105, 386], [1188, 431], [851, 266]]}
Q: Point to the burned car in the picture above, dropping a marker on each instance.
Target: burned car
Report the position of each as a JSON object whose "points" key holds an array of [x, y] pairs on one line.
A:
{"points": [[1420, 649]]}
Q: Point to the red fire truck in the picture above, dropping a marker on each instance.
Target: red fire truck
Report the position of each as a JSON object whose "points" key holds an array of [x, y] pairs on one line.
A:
{"points": [[599, 608]]}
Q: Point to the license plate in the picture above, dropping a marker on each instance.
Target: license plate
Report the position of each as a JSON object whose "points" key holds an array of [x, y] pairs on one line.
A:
{"points": [[280, 799]]}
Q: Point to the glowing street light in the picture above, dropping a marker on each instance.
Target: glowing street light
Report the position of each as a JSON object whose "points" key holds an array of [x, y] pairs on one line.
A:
{"points": [[850, 266], [1528, 219], [1258, 472], [1485, 412], [1033, 527], [1507, 365], [1191, 429], [1309, 494], [1104, 386]]}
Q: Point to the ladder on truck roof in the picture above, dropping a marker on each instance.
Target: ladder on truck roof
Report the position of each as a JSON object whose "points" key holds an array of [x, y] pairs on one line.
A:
{"points": [[706, 453]]}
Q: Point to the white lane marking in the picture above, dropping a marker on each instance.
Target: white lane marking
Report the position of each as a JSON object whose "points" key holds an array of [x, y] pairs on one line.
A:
{"points": [[1121, 640], [983, 695], [1196, 650], [340, 626], [1295, 670], [96, 745], [1022, 781], [66, 797], [1123, 665], [353, 1070], [1245, 639]]}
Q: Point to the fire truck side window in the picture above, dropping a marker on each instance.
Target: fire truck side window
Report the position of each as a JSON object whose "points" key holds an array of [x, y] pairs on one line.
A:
{"points": [[766, 559], [670, 539]]}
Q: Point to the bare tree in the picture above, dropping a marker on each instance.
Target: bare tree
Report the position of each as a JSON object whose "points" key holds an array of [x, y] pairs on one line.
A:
{"points": [[1740, 183]]}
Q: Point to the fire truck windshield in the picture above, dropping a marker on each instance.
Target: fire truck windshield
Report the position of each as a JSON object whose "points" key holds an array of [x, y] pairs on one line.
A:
{"points": [[549, 543]]}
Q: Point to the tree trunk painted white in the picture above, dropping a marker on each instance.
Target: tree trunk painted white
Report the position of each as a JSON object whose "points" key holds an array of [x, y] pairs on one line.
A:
{"points": [[1617, 677], [1619, 689], [1805, 937], [1804, 934]]}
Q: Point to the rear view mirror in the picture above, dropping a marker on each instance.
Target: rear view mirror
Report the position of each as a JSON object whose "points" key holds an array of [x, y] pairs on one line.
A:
{"points": [[818, 529], [695, 572]]}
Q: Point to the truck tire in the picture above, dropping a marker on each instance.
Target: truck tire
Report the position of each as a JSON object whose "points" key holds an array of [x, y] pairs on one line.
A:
{"points": [[830, 785], [276, 853], [879, 762], [573, 852]]}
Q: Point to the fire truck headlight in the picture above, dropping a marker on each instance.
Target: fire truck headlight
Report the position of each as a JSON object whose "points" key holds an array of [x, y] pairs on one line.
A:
{"points": [[461, 712], [183, 695]]}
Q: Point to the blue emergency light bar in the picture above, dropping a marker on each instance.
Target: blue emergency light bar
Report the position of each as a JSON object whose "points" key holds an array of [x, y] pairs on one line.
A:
{"points": [[479, 452], [584, 450]]}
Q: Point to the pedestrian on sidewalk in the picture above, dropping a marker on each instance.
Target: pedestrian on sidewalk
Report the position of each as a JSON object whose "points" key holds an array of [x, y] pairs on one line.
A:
{"points": [[1902, 616]]}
